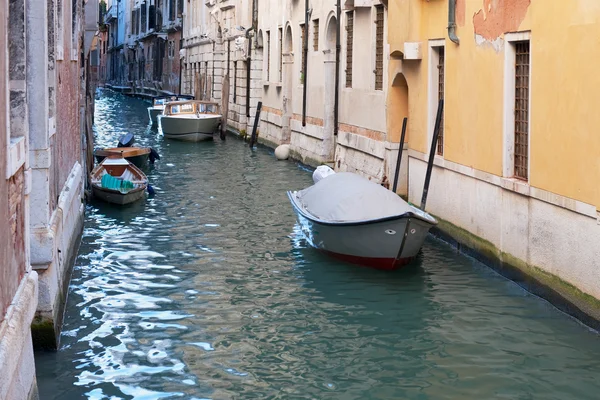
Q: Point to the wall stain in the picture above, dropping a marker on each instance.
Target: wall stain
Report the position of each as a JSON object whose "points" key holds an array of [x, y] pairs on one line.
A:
{"points": [[461, 10], [499, 16]]}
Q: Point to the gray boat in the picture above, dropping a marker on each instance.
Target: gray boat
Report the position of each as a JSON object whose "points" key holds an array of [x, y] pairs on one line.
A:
{"points": [[358, 221], [190, 121]]}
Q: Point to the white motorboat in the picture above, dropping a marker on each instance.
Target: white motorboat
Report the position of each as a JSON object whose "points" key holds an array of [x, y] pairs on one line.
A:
{"points": [[191, 121], [158, 105], [359, 221]]}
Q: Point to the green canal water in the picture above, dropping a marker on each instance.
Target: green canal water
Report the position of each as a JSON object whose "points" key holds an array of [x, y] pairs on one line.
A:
{"points": [[208, 291]]}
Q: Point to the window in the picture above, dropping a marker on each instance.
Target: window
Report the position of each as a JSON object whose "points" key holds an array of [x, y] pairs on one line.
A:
{"points": [[268, 55], [302, 37], [316, 35], [171, 10], [171, 49], [59, 30], [517, 97], [144, 16], [521, 160], [280, 54], [74, 36], [234, 82], [349, 41], [440, 96], [379, 48], [435, 84]]}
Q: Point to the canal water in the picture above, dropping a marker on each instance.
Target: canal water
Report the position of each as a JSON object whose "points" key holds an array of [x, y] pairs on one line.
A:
{"points": [[207, 291]]}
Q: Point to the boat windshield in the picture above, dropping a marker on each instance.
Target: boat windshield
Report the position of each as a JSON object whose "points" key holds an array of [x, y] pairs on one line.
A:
{"points": [[160, 102], [182, 108], [207, 108]]}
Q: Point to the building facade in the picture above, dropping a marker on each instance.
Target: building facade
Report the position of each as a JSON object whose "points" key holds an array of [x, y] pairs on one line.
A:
{"points": [[298, 42], [219, 47], [43, 159], [516, 163]]}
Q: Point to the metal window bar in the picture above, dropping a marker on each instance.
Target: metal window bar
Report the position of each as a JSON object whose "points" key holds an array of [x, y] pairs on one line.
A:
{"points": [[280, 54], [441, 67], [379, 48], [521, 160], [316, 35], [349, 41]]}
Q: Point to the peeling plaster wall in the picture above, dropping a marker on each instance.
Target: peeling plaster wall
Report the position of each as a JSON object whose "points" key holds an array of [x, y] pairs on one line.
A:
{"points": [[551, 221]]}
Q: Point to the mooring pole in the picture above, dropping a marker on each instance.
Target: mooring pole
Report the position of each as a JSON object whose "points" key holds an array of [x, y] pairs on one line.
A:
{"points": [[436, 133], [256, 119], [400, 154]]}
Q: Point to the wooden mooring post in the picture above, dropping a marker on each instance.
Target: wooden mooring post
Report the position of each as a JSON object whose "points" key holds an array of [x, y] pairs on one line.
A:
{"points": [[224, 106], [255, 127]]}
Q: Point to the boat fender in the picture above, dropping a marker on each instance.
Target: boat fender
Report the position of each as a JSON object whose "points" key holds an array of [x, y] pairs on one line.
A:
{"points": [[153, 155], [322, 171], [282, 152], [150, 189]]}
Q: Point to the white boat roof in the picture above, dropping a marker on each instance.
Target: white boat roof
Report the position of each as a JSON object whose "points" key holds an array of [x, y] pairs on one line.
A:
{"points": [[115, 161], [349, 197]]}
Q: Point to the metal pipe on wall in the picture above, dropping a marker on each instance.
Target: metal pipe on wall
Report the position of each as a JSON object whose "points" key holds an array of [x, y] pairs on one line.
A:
{"points": [[338, 47], [452, 21], [305, 63]]}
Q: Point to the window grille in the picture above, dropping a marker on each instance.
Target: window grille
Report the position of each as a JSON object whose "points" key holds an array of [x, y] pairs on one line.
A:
{"points": [[280, 54], [316, 35], [521, 109], [379, 48], [349, 41], [441, 67]]}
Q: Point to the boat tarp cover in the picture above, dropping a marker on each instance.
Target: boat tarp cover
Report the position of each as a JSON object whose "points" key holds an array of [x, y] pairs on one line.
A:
{"points": [[112, 183], [348, 197]]}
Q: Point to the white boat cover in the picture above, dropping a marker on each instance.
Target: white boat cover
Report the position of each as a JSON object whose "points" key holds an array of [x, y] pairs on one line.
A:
{"points": [[348, 197]]}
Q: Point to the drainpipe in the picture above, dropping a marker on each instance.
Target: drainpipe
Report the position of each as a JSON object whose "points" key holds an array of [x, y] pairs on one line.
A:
{"points": [[338, 46], [452, 21], [249, 58], [305, 65], [180, 60]]}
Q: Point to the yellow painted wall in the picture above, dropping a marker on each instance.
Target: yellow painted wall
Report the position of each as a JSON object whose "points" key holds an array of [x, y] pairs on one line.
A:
{"points": [[565, 89]]}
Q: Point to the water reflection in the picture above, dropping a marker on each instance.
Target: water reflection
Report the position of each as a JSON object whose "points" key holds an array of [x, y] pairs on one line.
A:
{"points": [[207, 290]]}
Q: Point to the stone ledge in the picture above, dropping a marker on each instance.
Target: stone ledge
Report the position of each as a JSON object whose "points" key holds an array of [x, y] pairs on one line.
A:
{"points": [[15, 334], [512, 185]]}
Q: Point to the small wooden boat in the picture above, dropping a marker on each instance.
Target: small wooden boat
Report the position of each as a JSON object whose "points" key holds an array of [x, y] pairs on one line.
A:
{"points": [[136, 155], [158, 105], [118, 181], [190, 121], [358, 221]]}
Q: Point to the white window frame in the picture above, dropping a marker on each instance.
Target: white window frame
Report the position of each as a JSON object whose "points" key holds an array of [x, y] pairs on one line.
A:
{"points": [[508, 164], [432, 89]]}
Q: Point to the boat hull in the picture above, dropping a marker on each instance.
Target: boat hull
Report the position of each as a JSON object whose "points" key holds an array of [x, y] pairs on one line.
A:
{"points": [[115, 197], [189, 129], [383, 244], [153, 113]]}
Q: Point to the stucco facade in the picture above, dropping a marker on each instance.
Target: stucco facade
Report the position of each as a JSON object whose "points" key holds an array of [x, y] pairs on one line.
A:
{"points": [[219, 41], [360, 143], [518, 159]]}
